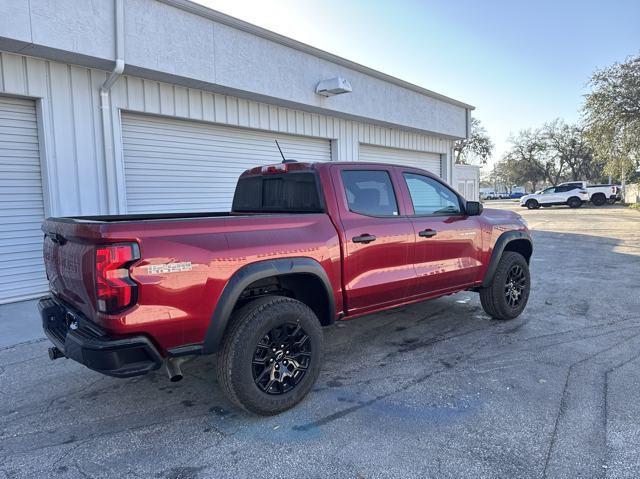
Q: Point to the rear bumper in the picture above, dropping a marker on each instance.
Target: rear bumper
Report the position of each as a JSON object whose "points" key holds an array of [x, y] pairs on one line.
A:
{"points": [[84, 342]]}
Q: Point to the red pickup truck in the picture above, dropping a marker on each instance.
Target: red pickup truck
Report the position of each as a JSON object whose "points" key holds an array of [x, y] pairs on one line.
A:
{"points": [[304, 245]]}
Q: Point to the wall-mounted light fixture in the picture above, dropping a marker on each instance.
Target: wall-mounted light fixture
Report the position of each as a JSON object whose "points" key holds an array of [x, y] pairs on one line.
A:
{"points": [[333, 86]]}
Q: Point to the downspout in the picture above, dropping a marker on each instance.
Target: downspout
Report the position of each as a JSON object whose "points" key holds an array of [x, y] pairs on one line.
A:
{"points": [[105, 107]]}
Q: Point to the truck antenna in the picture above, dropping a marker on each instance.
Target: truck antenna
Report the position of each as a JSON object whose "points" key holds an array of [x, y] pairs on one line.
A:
{"points": [[284, 160]]}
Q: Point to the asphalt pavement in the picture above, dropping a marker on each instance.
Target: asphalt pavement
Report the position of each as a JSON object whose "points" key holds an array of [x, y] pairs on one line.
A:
{"points": [[431, 390]]}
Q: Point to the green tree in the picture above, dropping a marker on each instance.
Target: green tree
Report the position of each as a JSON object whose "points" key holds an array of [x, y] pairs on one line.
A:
{"points": [[511, 171], [530, 148], [612, 116], [570, 147], [477, 148]]}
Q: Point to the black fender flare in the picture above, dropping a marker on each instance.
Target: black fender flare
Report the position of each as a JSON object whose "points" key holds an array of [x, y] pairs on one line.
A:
{"points": [[501, 243], [253, 272]]}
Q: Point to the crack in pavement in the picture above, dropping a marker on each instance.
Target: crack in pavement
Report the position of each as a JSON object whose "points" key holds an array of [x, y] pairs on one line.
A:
{"points": [[583, 447]]}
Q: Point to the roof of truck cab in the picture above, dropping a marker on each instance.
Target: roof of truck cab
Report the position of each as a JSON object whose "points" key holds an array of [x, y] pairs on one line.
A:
{"points": [[301, 166]]}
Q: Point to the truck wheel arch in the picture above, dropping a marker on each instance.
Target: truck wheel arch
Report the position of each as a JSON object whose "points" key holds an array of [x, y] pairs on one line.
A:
{"points": [[248, 274], [518, 241]]}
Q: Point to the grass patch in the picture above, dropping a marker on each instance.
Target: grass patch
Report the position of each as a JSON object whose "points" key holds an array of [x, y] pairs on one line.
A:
{"points": [[635, 206]]}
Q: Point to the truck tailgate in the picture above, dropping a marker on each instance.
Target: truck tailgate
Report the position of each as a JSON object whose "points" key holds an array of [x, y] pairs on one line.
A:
{"points": [[69, 258]]}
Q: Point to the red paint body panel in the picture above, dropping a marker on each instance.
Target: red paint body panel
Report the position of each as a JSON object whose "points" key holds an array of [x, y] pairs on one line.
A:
{"points": [[175, 308]]}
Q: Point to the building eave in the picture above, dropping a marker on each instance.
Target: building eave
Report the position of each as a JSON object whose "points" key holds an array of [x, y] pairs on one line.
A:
{"points": [[247, 27]]}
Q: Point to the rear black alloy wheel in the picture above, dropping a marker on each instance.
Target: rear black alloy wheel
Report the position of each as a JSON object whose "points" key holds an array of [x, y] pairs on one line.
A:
{"points": [[515, 285], [598, 199], [507, 295], [271, 355], [281, 359], [574, 202]]}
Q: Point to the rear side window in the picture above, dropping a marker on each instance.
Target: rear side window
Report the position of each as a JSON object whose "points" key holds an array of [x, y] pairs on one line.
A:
{"points": [[370, 192], [430, 197], [287, 192]]}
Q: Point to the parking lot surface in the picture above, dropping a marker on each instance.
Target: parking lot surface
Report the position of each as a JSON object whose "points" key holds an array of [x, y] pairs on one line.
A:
{"points": [[430, 390]]}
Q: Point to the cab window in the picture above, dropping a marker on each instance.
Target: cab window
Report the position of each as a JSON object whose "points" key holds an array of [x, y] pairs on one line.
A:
{"points": [[370, 192]]}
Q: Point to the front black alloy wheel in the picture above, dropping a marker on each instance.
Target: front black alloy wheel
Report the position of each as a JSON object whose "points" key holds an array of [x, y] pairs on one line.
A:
{"points": [[281, 359], [507, 295], [515, 286], [271, 355]]}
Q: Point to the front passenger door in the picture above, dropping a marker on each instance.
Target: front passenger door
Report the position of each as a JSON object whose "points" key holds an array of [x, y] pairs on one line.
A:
{"points": [[549, 196], [448, 242]]}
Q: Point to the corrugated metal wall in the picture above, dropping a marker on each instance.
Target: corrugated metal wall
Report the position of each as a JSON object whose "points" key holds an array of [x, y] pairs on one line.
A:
{"points": [[418, 159], [176, 165], [21, 202], [69, 124], [72, 144]]}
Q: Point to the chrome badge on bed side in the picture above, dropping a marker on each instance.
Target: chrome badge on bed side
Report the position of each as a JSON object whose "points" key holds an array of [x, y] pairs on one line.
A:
{"points": [[169, 268]]}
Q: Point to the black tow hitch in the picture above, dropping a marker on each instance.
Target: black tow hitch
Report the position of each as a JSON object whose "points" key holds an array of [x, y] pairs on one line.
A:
{"points": [[55, 353]]}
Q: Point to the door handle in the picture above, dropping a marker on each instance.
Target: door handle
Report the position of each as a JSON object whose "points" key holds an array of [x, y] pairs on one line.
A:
{"points": [[428, 233], [365, 238]]}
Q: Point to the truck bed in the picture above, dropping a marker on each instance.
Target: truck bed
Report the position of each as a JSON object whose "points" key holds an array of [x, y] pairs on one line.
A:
{"points": [[210, 248], [159, 216]]}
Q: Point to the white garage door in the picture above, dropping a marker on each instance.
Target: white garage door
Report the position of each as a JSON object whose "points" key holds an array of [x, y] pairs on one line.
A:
{"points": [[417, 159], [21, 202], [178, 165]]}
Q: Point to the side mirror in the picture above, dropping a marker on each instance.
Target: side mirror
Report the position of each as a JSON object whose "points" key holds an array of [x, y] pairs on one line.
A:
{"points": [[473, 208]]}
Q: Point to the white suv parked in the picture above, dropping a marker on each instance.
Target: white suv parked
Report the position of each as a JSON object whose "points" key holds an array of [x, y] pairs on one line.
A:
{"points": [[568, 194]]}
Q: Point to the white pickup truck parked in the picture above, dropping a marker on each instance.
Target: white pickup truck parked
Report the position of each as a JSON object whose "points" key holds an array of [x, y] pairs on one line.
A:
{"points": [[565, 194], [598, 194]]}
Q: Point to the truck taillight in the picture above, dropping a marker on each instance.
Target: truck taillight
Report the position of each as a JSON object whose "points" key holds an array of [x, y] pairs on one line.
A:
{"points": [[115, 290]]}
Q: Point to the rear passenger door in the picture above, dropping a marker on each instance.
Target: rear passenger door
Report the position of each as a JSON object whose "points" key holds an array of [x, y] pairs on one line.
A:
{"points": [[447, 241], [378, 265], [562, 192]]}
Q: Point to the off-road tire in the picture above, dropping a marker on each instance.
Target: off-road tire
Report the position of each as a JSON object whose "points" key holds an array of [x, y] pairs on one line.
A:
{"points": [[599, 199], [493, 299], [574, 202], [248, 325], [532, 204]]}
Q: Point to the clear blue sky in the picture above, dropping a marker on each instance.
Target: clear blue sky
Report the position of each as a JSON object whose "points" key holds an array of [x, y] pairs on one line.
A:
{"points": [[519, 63]]}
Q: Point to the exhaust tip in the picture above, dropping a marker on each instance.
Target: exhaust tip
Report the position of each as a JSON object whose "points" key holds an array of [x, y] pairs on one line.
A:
{"points": [[173, 369]]}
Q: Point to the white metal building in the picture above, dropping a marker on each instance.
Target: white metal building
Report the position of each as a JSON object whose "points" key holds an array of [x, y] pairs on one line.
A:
{"points": [[119, 106], [466, 179]]}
